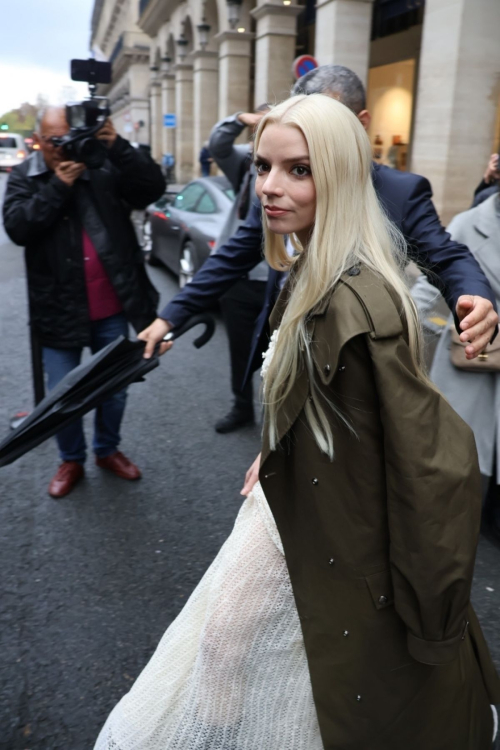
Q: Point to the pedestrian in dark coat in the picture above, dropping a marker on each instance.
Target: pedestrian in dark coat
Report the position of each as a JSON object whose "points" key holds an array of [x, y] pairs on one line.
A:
{"points": [[85, 270], [205, 160]]}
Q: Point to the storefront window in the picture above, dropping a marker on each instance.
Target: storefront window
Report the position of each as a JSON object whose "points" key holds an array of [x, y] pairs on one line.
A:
{"points": [[390, 102]]}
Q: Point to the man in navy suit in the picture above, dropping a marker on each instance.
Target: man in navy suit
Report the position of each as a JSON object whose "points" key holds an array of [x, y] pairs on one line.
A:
{"points": [[406, 198]]}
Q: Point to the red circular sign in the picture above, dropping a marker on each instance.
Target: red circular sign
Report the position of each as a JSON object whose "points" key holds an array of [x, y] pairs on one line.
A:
{"points": [[303, 64]]}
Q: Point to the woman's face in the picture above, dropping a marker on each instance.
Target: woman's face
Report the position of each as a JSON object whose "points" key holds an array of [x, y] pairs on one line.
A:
{"points": [[284, 182]]}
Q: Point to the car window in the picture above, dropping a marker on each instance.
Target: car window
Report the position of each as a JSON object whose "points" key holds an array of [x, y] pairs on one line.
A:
{"points": [[7, 142], [230, 194], [206, 205], [162, 202], [189, 197]]}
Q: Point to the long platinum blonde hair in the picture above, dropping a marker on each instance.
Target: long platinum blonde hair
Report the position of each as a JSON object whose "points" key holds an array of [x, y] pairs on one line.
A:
{"points": [[350, 227]]}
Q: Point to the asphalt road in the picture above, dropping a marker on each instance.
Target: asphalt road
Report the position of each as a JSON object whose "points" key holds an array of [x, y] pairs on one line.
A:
{"points": [[89, 583]]}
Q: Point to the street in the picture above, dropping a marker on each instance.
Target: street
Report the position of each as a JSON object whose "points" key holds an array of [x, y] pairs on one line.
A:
{"points": [[91, 582]]}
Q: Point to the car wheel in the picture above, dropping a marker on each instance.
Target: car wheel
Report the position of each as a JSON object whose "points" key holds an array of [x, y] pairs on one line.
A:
{"points": [[187, 264]]}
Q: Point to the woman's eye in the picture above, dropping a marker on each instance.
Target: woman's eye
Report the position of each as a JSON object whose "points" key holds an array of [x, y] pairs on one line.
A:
{"points": [[261, 167], [300, 171]]}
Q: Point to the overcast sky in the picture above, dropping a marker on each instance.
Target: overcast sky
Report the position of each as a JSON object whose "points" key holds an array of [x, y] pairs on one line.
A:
{"points": [[38, 39]]}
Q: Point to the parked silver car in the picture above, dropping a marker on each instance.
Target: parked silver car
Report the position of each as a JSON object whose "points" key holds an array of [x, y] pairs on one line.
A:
{"points": [[182, 231], [12, 150]]}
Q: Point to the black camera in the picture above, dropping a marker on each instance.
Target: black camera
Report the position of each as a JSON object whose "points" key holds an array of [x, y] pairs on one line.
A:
{"points": [[87, 117]]}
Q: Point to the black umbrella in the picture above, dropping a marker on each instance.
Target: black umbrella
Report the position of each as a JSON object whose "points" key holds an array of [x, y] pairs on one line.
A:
{"points": [[104, 374]]}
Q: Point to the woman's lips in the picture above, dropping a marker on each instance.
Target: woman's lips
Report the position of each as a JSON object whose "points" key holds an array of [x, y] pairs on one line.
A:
{"points": [[274, 211]]}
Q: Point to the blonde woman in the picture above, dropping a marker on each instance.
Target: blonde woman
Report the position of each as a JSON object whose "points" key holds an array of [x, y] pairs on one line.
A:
{"points": [[337, 613]]}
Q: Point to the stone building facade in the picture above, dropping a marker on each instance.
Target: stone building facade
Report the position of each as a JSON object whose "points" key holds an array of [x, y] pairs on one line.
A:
{"points": [[432, 70]]}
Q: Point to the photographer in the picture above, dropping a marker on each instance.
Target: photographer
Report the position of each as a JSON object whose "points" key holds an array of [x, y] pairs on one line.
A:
{"points": [[85, 272]]}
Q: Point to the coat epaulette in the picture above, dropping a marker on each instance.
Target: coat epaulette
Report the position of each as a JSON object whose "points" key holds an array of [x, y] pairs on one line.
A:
{"points": [[378, 304]]}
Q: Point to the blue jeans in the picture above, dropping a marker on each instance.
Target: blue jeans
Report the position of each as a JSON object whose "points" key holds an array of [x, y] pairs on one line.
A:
{"points": [[108, 416]]}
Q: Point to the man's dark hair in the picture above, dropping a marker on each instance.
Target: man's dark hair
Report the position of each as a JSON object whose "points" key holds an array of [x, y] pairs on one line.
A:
{"points": [[337, 80]]}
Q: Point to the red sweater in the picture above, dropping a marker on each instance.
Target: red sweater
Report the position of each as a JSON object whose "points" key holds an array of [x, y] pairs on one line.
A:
{"points": [[102, 299]]}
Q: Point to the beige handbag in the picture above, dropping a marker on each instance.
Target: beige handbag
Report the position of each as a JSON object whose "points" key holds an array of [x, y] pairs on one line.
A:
{"points": [[487, 361]]}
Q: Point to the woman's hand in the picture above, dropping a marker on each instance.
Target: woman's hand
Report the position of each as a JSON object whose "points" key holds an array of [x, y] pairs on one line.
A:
{"points": [[251, 477]]}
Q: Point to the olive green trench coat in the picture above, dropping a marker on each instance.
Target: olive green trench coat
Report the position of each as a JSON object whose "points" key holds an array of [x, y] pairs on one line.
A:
{"points": [[381, 542]]}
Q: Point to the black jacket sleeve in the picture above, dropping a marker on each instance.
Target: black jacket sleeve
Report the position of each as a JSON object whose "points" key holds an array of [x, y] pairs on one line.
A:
{"points": [[26, 215], [241, 253], [139, 179], [449, 266]]}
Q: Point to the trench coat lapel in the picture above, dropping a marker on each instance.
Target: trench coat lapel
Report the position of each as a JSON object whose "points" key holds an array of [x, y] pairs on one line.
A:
{"points": [[327, 343]]}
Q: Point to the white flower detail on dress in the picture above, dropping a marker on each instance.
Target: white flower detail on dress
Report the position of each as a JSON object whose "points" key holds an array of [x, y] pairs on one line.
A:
{"points": [[268, 354]]}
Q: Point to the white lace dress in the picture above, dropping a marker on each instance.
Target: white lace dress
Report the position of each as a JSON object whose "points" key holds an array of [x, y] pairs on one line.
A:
{"points": [[230, 673]]}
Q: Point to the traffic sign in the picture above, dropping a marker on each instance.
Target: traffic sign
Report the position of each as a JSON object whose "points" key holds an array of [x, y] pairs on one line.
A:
{"points": [[303, 64], [170, 121]]}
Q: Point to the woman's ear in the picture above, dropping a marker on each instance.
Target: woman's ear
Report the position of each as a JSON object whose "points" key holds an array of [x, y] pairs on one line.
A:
{"points": [[365, 118]]}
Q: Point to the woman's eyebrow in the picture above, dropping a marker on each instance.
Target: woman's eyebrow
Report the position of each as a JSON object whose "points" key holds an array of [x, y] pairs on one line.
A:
{"points": [[285, 161]]}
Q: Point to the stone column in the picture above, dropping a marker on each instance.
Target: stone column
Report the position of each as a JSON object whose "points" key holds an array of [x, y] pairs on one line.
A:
{"points": [[343, 29], [206, 89], [156, 122], [235, 52], [184, 111], [168, 107], [457, 98], [274, 51]]}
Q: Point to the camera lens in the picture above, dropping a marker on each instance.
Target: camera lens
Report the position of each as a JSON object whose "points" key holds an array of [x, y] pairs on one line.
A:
{"points": [[91, 152]]}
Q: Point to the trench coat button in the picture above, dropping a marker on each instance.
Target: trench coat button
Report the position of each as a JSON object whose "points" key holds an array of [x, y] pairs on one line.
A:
{"points": [[342, 368], [345, 633], [315, 481], [354, 271], [327, 369], [382, 600], [358, 698], [331, 561]]}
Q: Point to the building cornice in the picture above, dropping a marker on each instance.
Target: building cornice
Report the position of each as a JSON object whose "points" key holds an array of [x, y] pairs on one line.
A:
{"points": [[153, 14]]}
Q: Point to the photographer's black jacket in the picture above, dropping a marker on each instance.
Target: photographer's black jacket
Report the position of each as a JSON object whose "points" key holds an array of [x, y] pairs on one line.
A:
{"points": [[47, 217]]}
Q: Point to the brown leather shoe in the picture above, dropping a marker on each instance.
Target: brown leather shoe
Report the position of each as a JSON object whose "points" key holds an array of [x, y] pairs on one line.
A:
{"points": [[67, 475], [119, 465]]}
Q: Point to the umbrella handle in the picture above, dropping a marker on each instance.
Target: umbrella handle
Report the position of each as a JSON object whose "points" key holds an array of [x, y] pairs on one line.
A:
{"points": [[205, 337]]}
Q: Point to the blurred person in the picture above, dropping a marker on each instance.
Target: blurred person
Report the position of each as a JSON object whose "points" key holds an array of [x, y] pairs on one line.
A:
{"points": [[407, 200], [474, 395], [205, 160], [337, 613], [490, 184], [85, 271], [167, 165], [243, 302]]}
